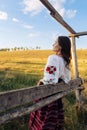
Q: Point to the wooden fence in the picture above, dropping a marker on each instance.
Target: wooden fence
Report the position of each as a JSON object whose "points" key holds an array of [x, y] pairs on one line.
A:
{"points": [[17, 103]]}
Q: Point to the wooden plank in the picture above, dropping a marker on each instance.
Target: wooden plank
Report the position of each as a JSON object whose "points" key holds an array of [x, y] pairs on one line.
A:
{"points": [[76, 73], [8, 116], [74, 58], [22, 96], [78, 34], [19, 97], [57, 16]]}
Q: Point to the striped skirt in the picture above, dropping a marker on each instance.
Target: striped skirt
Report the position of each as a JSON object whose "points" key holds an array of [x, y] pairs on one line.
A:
{"points": [[50, 117]]}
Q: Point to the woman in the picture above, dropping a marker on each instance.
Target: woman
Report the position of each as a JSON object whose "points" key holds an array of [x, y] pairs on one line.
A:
{"points": [[51, 117]]}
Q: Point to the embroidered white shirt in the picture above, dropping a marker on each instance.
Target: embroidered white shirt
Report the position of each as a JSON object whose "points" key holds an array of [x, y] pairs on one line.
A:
{"points": [[55, 69]]}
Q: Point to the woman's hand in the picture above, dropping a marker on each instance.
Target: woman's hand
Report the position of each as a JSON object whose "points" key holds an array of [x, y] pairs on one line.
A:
{"points": [[40, 82]]}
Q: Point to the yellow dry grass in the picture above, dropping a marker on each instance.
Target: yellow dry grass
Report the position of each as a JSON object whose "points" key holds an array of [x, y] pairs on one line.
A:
{"points": [[33, 61]]}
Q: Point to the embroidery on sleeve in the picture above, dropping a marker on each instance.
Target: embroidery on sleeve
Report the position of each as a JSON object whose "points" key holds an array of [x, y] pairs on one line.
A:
{"points": [[51, 69], [49, 81]]}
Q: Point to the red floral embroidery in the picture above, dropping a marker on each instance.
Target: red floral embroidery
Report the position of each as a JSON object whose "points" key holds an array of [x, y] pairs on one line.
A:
{"points": [[48, 69], [51, 69]]}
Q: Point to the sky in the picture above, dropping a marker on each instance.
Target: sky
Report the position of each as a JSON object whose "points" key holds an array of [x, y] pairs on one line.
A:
{"points": [[28, 23]]}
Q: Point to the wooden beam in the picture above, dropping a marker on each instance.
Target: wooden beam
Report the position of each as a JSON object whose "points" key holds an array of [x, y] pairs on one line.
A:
{"points": [[74, 58], [21, 97], [78, 34], [76, 73], [23, 110], [11, 114], [57, 16]]}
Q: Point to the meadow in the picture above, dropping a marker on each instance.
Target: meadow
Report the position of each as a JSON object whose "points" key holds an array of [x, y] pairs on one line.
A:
{"points": [[20, 69]]}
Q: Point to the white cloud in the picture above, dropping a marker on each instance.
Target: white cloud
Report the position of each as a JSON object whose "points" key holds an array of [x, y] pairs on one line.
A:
{"points": [[3, 15], [34, 34], [22, 24], [62, 11], [15, 20], [32, 6], [71, 13], [35, 6], [59, 6], [28, 26]]}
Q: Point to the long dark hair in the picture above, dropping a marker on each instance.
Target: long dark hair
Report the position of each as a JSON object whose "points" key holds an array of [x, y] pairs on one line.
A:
{"points": [[65, 44]]}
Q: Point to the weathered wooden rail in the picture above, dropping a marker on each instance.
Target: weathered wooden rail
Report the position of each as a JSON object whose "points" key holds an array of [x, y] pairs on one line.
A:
{"points": [[16, 103]]}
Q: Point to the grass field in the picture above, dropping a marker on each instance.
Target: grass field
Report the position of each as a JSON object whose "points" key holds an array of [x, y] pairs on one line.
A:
{"points": [[20, 69]]}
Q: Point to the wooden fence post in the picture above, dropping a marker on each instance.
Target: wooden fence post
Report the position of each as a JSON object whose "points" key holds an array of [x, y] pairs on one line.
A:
{"points": [[76, 73]]}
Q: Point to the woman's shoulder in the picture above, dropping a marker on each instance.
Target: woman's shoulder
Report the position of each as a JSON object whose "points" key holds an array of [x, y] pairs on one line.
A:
{"points": [[54, 56], [55, 59]]}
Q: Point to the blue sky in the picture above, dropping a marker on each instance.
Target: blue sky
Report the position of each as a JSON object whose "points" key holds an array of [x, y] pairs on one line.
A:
{"points": [[27, 23]]}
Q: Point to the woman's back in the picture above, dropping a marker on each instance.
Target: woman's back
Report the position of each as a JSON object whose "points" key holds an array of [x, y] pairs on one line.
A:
{"points": [[55, 69]]}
